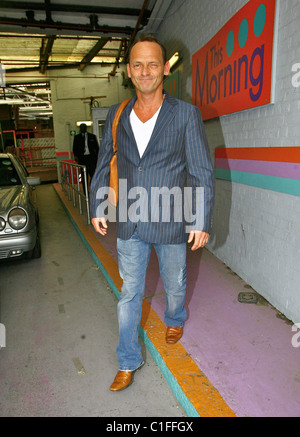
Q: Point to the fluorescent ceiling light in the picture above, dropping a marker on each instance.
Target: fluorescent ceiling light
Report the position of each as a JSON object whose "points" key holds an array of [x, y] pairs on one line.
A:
{"points": [[88, 123], [36, 108], [174, 59], [12, 102]]}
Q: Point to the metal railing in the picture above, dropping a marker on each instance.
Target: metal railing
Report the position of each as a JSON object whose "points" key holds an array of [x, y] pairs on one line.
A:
{"points": [[70, 183]]}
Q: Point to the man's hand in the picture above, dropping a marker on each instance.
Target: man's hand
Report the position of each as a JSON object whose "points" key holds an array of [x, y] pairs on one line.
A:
{"points": [[200, 239], [100, 225]]}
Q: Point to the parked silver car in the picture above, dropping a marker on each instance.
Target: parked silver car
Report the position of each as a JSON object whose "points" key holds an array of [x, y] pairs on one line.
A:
{"points": [[19, 219]]}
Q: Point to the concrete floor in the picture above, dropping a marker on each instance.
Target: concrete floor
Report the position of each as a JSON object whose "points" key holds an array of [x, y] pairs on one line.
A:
{"points": [[234, 359], [61, 334]]}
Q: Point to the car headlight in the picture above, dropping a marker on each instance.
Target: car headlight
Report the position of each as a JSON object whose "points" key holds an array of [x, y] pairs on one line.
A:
{"points": [[17, 218], [2, 223]]}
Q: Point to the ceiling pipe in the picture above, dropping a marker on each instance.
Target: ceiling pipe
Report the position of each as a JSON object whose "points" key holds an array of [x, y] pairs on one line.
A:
{"points": [[136, 27], [48, 11], [113, 72], [158, 14], [81, 9], [66, 26]]}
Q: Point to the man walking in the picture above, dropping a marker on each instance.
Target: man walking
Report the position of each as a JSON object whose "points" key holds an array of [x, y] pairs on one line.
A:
{"points": [[161, 144]]}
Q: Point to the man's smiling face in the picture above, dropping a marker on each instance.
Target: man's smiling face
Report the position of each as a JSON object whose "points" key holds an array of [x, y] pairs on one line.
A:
{"points": [[146, 67]]}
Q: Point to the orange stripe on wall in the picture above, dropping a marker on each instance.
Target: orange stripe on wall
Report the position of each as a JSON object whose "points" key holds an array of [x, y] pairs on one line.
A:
{"points": [[279, 154]]}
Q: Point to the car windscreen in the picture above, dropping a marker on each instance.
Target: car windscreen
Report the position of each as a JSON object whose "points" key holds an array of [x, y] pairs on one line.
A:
{"points": [[8, 173]]}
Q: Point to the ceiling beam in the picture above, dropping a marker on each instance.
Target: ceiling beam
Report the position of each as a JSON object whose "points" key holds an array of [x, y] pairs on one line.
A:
{"points": [[45, 51], [11, 4], [66, 26], [92, 53], [27, 94], [10, 73], [122, 43]]}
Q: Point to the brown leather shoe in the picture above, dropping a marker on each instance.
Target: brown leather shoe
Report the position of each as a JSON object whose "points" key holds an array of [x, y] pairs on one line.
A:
{"points": [[173, 334], [123, 379]]}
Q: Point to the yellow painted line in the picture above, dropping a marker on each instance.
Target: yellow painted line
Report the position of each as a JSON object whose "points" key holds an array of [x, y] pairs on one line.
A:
{"points": [[203, 396]]}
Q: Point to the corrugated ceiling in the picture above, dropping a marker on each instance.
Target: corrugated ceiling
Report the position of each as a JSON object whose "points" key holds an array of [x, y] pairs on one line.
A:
{"points": [[42, 35]]}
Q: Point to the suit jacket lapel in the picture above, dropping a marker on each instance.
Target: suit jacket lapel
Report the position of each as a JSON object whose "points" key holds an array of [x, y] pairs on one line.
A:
{"points": [[165, 116], [125, 120]]}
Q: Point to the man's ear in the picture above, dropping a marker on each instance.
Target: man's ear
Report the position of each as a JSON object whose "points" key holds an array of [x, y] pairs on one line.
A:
{"points": [[167, 68]]}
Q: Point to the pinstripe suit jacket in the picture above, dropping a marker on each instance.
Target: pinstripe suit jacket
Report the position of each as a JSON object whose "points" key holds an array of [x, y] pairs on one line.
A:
{"points": [[177, 155]]}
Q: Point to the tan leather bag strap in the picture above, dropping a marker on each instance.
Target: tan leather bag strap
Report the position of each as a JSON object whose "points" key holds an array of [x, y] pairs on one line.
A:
{"points": [[116, 122]]}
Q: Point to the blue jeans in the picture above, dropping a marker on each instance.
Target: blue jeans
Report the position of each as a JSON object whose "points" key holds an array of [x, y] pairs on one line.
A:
{"points": [[133, 259]]}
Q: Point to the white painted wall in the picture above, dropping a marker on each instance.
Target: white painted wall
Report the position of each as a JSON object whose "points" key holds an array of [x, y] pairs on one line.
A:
{"points": [[69, 87]]}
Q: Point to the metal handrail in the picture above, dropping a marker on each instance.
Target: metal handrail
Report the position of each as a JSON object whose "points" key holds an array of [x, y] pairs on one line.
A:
{"points": [[69, 185]]}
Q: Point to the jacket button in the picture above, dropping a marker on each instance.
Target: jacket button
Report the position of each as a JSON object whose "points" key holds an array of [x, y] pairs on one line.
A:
{"points": [[140, 168]]}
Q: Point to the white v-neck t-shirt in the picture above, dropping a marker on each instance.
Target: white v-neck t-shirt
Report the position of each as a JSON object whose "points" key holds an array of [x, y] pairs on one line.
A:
{"points": [[142, 131]]}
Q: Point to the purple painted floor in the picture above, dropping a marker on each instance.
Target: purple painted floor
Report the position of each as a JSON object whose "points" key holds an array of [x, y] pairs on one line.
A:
{"points": [[244, 349]]}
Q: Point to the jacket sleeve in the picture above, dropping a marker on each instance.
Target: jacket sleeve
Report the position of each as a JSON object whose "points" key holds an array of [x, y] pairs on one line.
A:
{"points": [[94, 144], [102, 172], [75, 146], [200, 172]]}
